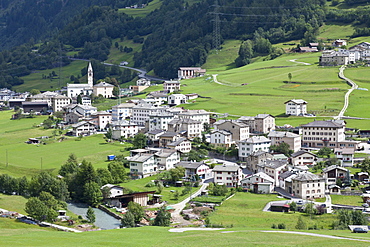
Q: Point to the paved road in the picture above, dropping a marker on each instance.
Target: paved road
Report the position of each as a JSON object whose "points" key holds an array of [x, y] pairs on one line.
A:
{"points": [[177, 218], [346, 97]]}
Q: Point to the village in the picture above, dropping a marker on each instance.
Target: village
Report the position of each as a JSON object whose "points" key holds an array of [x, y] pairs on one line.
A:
{"points": [[249, 153]]}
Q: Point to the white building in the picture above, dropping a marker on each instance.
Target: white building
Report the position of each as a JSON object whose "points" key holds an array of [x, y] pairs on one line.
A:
{"points": [[83, 128], [303, 158], [188, 127], [122, 111], [221, 138], [259, 183], [195, 168], [253, 144], [73, 90], [198, 115], [181, 144], [159, 120], [177, 99], [171, 86], [124, 129], [142, 165], [229, 175], [101, 119], [296, 107], [278, 137], [239, 130], [273, 168], [345, 155], [114, 190], [190, 72], [307, 186], [104, 89], [167, 158], [140, 113]]}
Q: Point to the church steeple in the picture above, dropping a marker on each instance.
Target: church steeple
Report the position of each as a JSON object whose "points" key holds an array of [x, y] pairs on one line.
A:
{"points": [[90, 75]]}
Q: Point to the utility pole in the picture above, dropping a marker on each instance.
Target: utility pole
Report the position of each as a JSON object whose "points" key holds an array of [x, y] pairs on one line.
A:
{"points": [[41, 163], [216, 28], [7, 158]]}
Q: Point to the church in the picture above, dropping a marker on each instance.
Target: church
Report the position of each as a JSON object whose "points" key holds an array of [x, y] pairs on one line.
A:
{"points": [[73, 90]]}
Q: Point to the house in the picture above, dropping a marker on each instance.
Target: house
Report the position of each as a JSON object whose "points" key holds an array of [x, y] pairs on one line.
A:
{"points": [[73, 90], [191, 96], [239, 131], [195, 168], [229, 175], [339, 43], [256, 158], [306, 185], [333, 173], [177, 99], [286, 178], [137, 89], [85, 111], [334, 58], [158, 98], [296, 107], [141, 112], [102, 119], [363, 176], [142, 165], [168, 137], [260, 124], [260, 183], [307, 49], [120, 201], [171, 86], [198, 115], [167, 158], [122, 111], [153, 136], [143, 82], [182, 145], [253, 144], [124, 129], [35, 107], [221, 138], [159, 120], [190, 72], [73, 117], [86, 100], [345, 155], [104, 89], [83, 128], [273, 168], [278, 137], [303, 158], [60, 101], [189, 127], [114, 190]]}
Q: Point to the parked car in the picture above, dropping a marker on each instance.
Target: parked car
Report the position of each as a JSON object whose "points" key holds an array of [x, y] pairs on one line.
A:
{"points": [[359, 230]]}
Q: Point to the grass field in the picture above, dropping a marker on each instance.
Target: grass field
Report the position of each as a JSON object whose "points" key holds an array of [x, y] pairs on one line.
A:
{"points": [[245, 210], [345, 200], [26, 159], [18, 234], [153, 5], [116, 56], [34, 80]]}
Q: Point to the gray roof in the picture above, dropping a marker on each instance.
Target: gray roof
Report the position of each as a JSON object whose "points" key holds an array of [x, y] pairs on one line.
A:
{"points": [[307, 176], [155, 132], [81, 123], [190, 165], [169, 134], [282, 134], [224, 132], [163, 153], [177, 142], [246, 118], [300, 152], [226, 168], [239, 124], [327, 169], [274, 164], [263, 116], [296, 101], [103, 84], [256, 139], [184, 120], [261, 175], [325, 124], [140, 157], [286, 174]]}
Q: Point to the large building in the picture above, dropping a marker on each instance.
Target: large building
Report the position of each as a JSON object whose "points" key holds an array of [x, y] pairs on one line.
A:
{"points": [[306, 186], [239, 131], [229, 175], [278, 137], [296, 107], [253, 144], [261, 123], [190, 72], [73, 90], [104, 89]]}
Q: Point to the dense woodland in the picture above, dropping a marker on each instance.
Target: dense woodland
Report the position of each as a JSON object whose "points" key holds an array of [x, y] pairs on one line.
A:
{"points": [[177, 34]]}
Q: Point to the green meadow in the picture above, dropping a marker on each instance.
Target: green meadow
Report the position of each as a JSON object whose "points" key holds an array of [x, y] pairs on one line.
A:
{"points": [[153, 5], [27, 159]]}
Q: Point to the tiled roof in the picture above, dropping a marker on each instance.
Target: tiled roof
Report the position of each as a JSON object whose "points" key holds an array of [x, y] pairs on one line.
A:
{"points": [[325, 124], [226, 168], [307, 176]]}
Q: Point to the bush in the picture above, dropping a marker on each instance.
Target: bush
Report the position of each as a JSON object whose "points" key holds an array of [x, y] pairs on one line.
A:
{"points": [[273, 226], [281, 226], [150, 184]]}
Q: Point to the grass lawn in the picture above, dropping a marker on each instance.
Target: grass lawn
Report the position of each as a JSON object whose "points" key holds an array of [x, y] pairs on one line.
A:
{"points": [[223, 59], [116, 57], [26, 159], [35, 81], [153, 5], [345, 200], [19, 234], [139, 185], [13, 203], [245, 210], [209, 199], [334, 31]]}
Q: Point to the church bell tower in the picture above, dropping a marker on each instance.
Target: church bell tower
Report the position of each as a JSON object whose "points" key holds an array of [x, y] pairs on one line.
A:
{"points": [[90, 76]]}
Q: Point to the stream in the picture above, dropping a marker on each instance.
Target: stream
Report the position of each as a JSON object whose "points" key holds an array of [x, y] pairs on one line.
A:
{"points": [[103, 220]]}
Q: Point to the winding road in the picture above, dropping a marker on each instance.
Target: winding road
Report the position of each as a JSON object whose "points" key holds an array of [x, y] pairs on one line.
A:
{"points": [[346, 97]]}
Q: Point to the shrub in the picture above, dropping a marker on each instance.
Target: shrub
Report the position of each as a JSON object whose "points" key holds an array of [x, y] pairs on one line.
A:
{"points": [[281, 226]]}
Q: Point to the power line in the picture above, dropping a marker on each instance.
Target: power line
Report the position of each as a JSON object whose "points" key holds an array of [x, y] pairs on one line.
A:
{"points": [[216, 28]]}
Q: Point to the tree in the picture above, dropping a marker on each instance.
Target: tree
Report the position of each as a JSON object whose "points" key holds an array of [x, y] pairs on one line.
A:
{"points": [[163, 218], [325, 151], [109, 134], [301, 225], [140, 141], [79, 99], [282, 148], [293, 206], [290, 77], [71, 166], [310, 209], [90, 215], [117, 171], [104, 175], [116, 91], [36, 209], [128, 220], [92, 194], [245, 53], [34, 92], [137, 211]]}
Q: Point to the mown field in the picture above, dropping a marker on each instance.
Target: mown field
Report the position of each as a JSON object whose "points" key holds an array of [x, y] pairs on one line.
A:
{"points": [[27, 159], [19, 234]]}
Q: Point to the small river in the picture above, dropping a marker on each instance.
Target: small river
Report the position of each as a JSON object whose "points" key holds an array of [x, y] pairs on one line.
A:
{"points": [[102, 219]]}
